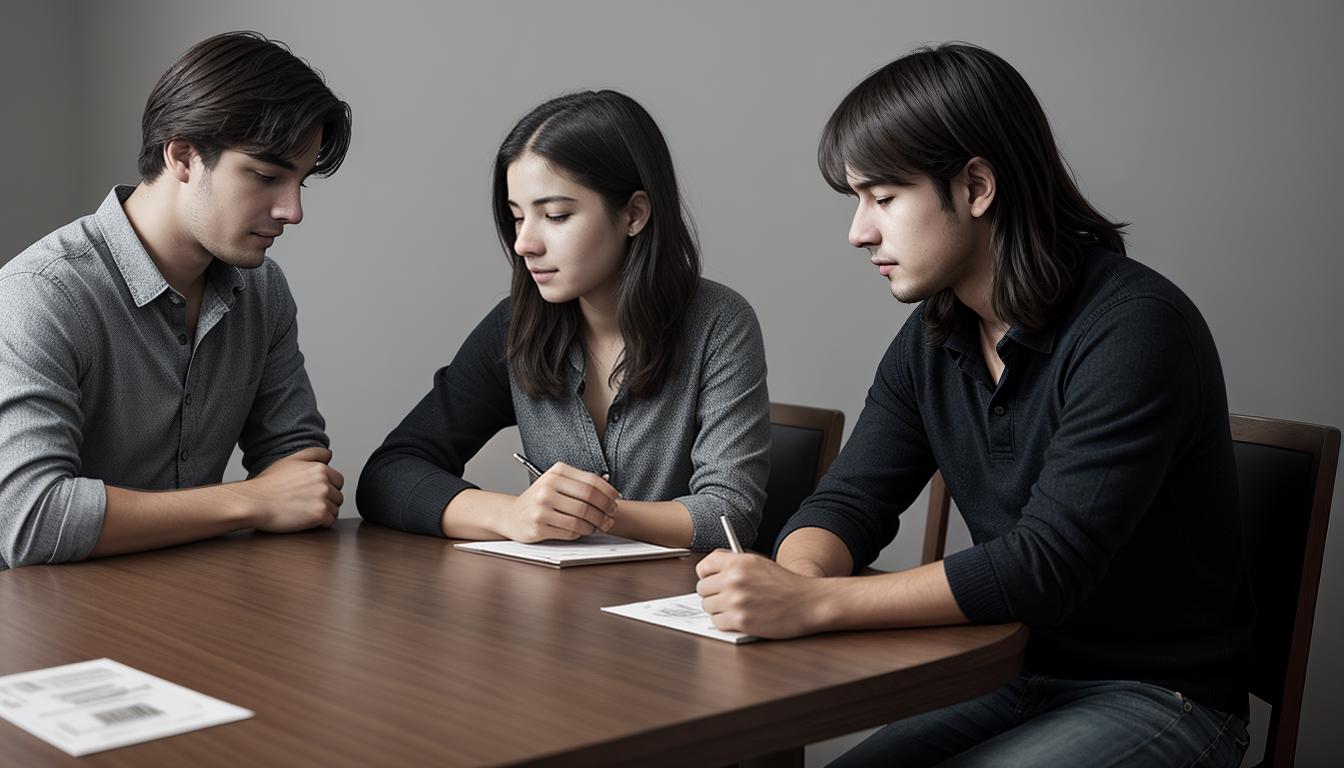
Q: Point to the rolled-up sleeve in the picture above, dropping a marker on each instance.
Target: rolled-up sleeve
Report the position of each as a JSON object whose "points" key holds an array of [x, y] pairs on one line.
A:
{"points": [[48, 514], [731, 452]]}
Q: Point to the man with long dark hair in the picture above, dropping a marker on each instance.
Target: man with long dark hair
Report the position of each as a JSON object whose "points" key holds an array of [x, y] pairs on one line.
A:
{"points": [[140, 344], [1073, 401]]}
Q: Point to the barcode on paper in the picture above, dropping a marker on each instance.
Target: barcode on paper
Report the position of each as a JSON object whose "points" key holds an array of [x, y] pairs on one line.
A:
{"points": [[126, 714]]}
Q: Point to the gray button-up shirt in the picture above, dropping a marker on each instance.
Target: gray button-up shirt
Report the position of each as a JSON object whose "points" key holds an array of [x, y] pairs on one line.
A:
{"points": [[703, 440], [100, 381]]}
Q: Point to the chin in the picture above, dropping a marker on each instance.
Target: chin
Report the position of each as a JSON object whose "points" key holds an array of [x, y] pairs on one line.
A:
{"points": [[907, 294], [245, 260], [553, 295]]}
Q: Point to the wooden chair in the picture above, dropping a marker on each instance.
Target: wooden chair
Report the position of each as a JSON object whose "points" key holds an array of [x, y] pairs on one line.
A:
{"points": [[803, 443], [935, 529], [1286, 473]]}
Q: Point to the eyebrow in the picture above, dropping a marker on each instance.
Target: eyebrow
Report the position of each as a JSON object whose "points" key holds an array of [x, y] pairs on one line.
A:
{"points": [[889, 181], [267, 157], [547, 199]]}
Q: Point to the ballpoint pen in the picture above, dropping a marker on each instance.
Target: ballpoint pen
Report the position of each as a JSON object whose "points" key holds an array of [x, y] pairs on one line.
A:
{"points": [[732, 537], [531, 468]]}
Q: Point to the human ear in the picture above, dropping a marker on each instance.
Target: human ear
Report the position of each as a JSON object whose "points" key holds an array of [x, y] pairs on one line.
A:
{"points": [[177, 157], [980, 185], [637, 212]]}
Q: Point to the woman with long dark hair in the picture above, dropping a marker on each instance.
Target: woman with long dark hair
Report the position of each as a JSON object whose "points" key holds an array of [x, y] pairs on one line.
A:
{"points": [[637, 385]]}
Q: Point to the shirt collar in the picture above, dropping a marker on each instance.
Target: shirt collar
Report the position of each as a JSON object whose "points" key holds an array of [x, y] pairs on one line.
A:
{"points": [[965, 335], [227, 281], [142, 276], [574, 355], [1041, 340]]}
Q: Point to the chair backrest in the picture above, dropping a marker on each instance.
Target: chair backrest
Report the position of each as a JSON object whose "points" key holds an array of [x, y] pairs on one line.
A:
{"points": [[1286, 473], [935, 529], [803, 443]]}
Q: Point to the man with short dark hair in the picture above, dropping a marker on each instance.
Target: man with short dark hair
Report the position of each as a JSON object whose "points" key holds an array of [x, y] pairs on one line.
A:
{"points": [[1074, 403], [140, 344]]}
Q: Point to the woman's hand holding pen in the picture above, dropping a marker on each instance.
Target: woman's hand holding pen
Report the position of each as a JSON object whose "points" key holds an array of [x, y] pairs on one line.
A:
{"points": [[563, 503]]}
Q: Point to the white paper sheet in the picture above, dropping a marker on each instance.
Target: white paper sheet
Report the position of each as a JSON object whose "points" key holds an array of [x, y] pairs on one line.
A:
{"points": [[95, 705], [684, 613], [597, 548]]}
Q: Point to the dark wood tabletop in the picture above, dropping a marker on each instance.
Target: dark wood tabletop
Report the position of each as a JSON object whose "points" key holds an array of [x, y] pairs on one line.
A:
{"points": [[359, 645]]}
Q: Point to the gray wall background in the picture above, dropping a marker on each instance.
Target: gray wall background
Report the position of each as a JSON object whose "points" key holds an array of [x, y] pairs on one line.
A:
{"points": [[1212, 126]]}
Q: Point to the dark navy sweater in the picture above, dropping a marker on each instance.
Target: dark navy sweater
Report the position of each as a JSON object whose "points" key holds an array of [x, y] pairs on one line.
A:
{"points": [[1097, 480]]}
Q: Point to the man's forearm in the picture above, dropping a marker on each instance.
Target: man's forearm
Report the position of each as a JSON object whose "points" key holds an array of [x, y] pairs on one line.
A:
{"points": [[918, 597], [135, 521], [913, 598], [815, 552], [295, 493]]}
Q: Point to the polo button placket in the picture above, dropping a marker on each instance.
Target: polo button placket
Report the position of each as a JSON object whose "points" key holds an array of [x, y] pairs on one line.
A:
{"points": [[1000, 429]]}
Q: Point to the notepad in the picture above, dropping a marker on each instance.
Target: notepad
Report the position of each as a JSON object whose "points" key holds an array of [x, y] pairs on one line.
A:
{"points": [[587, 550], [684, 613], [95, 705]]}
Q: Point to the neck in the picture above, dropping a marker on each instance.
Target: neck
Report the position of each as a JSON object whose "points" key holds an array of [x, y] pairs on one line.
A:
{"points": [[974, 291], [598, 308], [151, 210]]}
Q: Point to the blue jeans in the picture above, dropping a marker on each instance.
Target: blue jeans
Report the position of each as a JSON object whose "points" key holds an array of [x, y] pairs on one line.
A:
{"points": [[1036, 720]]}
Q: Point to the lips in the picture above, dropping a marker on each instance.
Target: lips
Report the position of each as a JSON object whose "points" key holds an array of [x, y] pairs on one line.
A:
{"points": [[542, 275]]}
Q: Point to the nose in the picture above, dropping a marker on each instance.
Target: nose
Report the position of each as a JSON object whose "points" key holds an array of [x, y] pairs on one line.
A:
{"points": [[289, 208], [862, 234], [527, 242]]}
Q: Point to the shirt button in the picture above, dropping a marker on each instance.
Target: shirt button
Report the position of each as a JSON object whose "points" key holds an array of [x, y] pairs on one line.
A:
{"points": [[187, 399], [182, 339], [615, 417], [999, 410], [182, 455], [174, 299]]}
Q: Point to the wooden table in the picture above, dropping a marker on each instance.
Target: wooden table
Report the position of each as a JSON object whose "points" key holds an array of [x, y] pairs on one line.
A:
{"points": [[360, 645]]}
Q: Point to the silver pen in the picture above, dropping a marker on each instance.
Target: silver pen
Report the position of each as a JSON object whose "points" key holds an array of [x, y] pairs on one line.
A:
{"points": [[536, 473], [531, 468], [732, 536]]}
